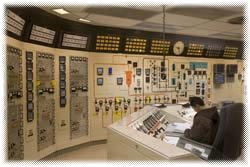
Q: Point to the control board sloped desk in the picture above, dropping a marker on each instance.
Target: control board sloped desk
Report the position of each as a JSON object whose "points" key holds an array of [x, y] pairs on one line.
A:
{"points": [[143, 136]]}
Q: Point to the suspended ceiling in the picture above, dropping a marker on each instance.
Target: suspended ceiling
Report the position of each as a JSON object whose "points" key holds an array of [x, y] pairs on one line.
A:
{"points": [[194, 21]]}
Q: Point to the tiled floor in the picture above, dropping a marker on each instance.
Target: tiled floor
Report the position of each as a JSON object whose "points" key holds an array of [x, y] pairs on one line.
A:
{"points": [[94, 152], [90, 152]]}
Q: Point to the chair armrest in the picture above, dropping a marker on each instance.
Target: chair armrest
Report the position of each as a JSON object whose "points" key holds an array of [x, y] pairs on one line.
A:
{"points": [[199, 149]]}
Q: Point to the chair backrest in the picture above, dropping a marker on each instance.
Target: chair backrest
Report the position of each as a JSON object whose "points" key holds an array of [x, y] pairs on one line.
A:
{"points": [[228, 139]]}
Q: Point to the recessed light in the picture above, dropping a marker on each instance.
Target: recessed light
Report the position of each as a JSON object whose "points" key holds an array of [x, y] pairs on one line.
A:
{"points": [[84, 20], [60, 11]]}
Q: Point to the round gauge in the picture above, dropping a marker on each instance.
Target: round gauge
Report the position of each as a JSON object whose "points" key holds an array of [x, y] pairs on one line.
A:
{"points": [[178, 48]]}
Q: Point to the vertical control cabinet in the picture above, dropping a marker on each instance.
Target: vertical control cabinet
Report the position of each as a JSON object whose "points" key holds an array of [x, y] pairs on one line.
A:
{"points": [[78, 97], [15, 106], [45, 100]]}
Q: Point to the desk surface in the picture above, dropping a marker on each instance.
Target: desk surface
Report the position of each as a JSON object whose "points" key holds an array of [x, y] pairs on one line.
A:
{"points": [[162, 148]]}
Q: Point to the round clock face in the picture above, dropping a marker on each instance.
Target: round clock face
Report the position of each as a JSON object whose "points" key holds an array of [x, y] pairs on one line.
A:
{"points": [[178, 48]]}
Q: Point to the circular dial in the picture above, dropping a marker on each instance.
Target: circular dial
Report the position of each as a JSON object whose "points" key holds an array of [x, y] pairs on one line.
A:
{"points": [[178, 48]]}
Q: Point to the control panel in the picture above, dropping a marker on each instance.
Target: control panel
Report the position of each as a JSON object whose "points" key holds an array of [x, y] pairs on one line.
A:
{"points": [[232, 69], [219, 73], [130, 83], [153, 123], [29, 86], [190, 79], [15, 106], [164, 124], [62, 80], [82, 95], [155, 75], [45, 83], [78, 97]]}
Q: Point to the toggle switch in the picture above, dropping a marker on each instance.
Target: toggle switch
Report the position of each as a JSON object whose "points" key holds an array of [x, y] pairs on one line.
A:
{"points": [[110, 102]]}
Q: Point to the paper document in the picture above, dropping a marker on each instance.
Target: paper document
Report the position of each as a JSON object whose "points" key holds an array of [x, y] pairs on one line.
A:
{"points": [[184, 102], [178, 127], [171, 140], [190, 116]]}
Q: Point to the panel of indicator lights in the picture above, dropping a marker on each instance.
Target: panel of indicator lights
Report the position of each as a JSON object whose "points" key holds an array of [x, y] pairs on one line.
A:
{"points": [[230, 52], [195, 49], [159, 46], [213, 51], [137, 45], [107, 43]]}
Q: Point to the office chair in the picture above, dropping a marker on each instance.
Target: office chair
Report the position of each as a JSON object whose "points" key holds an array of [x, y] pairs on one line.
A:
{"points": [[228, 141]]}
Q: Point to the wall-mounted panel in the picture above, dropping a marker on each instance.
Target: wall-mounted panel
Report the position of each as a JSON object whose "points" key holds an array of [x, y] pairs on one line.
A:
{"points": [[135, 45], [107, 43], [130, 41], [74, 41], [15, 106], [15, 24], [42, 34], [79, 119], [45, 100]]}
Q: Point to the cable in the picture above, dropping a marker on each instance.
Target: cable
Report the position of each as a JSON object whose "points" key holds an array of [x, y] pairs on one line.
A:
{"points": [[164, 49]]}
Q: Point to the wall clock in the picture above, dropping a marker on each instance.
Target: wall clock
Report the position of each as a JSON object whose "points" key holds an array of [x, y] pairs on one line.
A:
{"points": [[178, 48]]}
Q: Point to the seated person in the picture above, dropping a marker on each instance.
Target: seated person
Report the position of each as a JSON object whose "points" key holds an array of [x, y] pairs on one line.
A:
{"points": [[205, 123]]}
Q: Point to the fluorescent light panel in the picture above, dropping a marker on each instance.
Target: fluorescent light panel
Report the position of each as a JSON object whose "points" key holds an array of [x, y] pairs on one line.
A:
{"points": [[60, 11], [84, 20]]}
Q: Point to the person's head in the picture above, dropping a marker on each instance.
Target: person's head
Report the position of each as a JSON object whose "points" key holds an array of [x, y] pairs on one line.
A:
{"points": [[196, 103]]}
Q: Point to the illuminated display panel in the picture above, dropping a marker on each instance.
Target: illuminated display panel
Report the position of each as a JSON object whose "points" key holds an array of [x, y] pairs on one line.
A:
{"points": [[107, 43], [42, 34], [213, 51], [230, 52], [75, 41], [15, 23], [195, 49], [158, 46], [136, 45]]}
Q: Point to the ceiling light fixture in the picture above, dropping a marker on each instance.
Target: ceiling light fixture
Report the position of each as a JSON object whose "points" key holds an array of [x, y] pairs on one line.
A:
{"points": [[61, 11], [85, 20]]}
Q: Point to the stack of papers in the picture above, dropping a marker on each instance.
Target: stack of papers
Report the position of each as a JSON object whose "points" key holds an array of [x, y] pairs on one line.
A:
{"points": [[184, 102], [171, 140], [178, 127], [190, 115]]}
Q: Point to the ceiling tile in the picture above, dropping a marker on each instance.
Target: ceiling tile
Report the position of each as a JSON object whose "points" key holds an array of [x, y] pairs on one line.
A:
{"points": [[122, 12], [71, 17], [152, 8], [175, 23], [238, 9], [239, 30], [112, 21], [225, 19], [219, 26], [210, 13], [197, 32], [235, 35], [75, 9], [81, 14], [50, 10], [157, 8], [158, 26], [176, 20]]}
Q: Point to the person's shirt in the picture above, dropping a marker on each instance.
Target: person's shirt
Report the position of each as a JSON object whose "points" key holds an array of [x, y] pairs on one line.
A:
{"points": [[205, 126]]}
